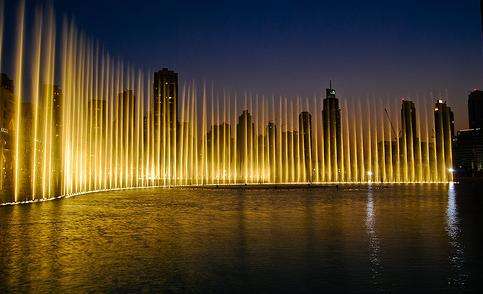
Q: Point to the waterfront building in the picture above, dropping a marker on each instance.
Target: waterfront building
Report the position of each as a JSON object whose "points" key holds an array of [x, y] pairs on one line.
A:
{"points": [[305, 129], [332, 134], [6, 130], [244, 139], [410, 151], [468, 150], [444, 134], [475, 109]]}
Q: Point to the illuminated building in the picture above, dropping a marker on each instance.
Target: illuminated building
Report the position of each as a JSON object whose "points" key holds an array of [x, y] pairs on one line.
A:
{"points": [[468, 144], [468, 150], [409, 138], [244, 133], [444, 133], [165, 92], [6, 129], [305, 142], [332, 134], [271, 147]]}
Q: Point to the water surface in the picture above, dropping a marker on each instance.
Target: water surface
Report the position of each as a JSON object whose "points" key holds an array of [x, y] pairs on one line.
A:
{"points": [[355, 238]]}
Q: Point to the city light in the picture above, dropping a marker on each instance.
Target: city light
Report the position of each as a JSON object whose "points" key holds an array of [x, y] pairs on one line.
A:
{"points": [[110, 125]]}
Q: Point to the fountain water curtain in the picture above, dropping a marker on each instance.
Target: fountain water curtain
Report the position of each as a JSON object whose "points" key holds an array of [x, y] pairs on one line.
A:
{"points": [[110, 125]]}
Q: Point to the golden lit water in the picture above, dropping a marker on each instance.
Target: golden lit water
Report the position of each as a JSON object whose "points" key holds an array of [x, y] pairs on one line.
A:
{"points": [[355, 238], [104, 127]]}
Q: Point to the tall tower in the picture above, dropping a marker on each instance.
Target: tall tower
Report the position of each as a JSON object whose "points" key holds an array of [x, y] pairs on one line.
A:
{"points": [[305, 129], [165, 91], [444, 133], [475, 109], [244, 134], [165, 115], [332, 135], [6, 130], [165, 108], [272, 150], [409, 140]]}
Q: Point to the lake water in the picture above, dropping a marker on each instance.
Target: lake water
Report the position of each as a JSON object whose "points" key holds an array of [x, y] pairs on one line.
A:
{"points": [[350, 239]]}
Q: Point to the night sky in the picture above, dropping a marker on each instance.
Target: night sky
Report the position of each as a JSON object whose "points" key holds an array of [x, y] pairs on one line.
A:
{"points": [[390, 48]]}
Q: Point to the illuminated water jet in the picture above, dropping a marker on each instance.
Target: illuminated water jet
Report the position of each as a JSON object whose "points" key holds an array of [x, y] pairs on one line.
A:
{"points": [[110, 125]]}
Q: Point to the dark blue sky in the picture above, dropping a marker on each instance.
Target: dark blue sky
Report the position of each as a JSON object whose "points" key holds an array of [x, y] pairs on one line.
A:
{"points": [[394, 48]]}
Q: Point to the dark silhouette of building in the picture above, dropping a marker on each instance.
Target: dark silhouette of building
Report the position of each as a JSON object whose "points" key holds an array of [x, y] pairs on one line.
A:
{"points": [[409, 137], [7, 101], [244, 133], [468, 147], [165, 112], [468, 144], [272, 150], [165, 91], [332, 135], [444, 133], [305, 129], [475, 109]]}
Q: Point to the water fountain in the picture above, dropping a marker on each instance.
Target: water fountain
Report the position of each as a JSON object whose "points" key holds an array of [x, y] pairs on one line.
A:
{"points": [[111, 125]]}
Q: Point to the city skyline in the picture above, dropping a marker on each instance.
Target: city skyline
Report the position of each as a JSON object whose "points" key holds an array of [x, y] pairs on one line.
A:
{"points": [[78, 118], [405, 76], [241, 146]]}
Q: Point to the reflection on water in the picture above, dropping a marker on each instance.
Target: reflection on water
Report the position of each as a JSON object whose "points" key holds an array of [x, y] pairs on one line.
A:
{"points": [[353, 238], [373, 240], [456, 255]]}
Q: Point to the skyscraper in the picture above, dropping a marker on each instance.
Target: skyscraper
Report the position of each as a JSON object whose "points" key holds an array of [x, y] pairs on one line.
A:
{"points": [[468, 153], [409, 139], [305, 128], [332, 134], [272, 156], [165, 91], [475, 109], [444, 132], [165, 115], [6, 130], [244, 134]]}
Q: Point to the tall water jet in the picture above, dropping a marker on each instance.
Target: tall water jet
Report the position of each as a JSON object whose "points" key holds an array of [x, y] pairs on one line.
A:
{"points": [[107, 124]]}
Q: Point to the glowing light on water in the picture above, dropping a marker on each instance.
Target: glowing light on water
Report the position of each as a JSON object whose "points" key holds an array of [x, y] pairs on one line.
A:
{"points": [[109, 126]]}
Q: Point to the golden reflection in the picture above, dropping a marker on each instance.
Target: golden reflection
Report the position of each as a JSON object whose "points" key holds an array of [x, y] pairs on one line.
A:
{"points": [[110, 125]]}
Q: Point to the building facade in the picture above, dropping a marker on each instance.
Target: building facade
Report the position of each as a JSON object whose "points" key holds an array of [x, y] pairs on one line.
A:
{"points": [[332, 135], [475, 109], [444, 134]]}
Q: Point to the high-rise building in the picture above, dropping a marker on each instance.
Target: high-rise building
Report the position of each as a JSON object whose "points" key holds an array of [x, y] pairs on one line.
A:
{"points": [[244, 135], [475, 109], [468, 153], [468, 144], [272, 150], [444, 133], [7, 101], [332, 135], [165, 115], [409, 139], [305, 129], [165, 91]]}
